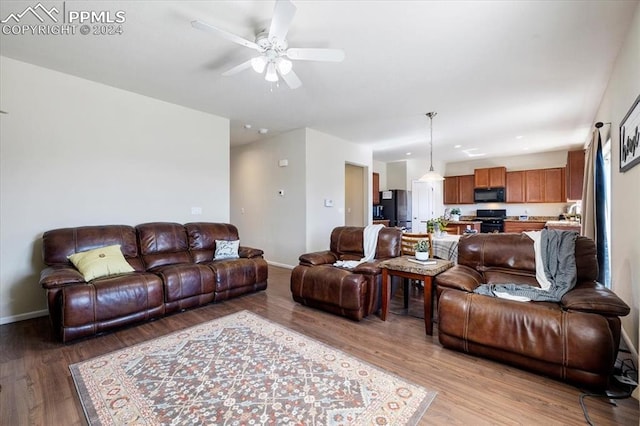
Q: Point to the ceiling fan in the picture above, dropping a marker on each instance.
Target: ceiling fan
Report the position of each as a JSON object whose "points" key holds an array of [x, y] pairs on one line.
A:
{"points": [[274, 53]]}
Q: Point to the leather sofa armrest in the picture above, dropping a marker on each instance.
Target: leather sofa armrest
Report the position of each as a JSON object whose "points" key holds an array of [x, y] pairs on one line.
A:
{"points": [[460, 277], [249, 252], [60, 276], [593, 297], [318, 258], [367, 268]]}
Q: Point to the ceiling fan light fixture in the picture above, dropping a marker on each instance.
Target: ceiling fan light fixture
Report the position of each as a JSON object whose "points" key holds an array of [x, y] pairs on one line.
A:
{"points": [[284, 66], [272, 74], [258, 64]]}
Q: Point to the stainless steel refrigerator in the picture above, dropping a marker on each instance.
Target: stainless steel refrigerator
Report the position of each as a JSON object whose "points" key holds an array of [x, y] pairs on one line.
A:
{"points": [[397, 207]]}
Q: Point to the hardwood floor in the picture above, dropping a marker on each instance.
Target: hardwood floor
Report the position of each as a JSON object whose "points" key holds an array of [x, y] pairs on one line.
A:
{"points": [[37, 388]]}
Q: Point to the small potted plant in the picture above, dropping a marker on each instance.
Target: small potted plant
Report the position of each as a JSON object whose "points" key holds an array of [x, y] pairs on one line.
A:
{"points": [[422, 250], [455, 214]]}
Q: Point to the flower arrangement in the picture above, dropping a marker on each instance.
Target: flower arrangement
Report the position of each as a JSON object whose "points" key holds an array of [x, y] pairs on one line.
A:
{"points": [[441, 223], [456, 210]]}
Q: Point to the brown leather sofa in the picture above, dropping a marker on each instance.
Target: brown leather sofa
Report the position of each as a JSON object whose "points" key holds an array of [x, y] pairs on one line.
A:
{"points": [[575, 340], [352, 293], [174, 270]]}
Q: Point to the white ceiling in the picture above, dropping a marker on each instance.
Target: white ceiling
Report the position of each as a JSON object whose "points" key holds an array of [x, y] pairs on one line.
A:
{"points": [[506, 77]]}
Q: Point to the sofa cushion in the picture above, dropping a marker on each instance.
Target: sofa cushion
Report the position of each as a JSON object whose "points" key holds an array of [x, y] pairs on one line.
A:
{"points": [[163, 243], [100, 262], [202, 238], [59, 244], [238, 276]]}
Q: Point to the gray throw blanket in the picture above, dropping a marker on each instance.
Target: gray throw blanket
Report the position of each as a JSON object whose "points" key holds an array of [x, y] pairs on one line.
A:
{"points": [[559, 260]]}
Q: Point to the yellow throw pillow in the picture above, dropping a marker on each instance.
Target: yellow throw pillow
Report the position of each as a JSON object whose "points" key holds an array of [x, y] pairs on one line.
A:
{"points": [[100, 262]]}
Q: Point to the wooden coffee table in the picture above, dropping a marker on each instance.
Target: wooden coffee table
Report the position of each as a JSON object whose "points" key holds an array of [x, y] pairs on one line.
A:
{"points": [[403, 267]]}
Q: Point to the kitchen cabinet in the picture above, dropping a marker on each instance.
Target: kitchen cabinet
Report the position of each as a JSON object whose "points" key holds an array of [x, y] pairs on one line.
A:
{"points": [[522, 225], [515, 187], [465, 189], [575, 174], [376, 189], [493, 177], [554, 184], [458, 189], [534, 186]]}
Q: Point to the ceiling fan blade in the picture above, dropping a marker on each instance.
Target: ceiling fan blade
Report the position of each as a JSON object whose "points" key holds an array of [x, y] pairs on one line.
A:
{"points": [[316, 54], [235, 70], [225, 34], [283, 14], [292, 80]]}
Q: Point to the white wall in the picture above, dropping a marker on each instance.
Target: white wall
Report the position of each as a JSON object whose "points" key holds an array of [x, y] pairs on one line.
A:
{"points": [[542, 160], [326, 158], [397, 175], [381, 168], [265, 219], [75, 152], [622, 91]]}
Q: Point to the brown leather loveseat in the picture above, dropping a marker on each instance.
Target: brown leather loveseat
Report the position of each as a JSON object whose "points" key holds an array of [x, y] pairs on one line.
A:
{"points": [[174, 269], [352, 293], [574, 340]]}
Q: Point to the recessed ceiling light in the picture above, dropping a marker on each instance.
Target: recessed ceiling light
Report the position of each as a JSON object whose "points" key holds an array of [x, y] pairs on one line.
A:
{"points": [[519, 137], [458, 146], [247, 126], [408, 153], [526, 148], [263, 131]]}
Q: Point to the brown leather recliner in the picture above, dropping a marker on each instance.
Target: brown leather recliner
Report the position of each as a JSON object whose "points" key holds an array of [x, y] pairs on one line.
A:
{"points": [[575, 340], [352, 293]]}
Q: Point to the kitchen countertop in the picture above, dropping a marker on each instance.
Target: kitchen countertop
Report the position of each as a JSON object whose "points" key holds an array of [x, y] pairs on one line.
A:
{"points": [[464, 222], [567, 223]]}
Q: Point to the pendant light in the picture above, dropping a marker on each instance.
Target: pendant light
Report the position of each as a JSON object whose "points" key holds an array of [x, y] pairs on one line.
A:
{"points": [[431, 176]]}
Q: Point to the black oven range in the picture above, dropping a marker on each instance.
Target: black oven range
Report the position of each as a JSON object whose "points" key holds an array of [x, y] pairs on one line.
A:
{"points": [[492, 220]]}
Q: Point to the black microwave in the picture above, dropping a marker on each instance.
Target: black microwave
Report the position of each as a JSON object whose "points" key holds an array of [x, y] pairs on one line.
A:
{"points": [[488, 195]]}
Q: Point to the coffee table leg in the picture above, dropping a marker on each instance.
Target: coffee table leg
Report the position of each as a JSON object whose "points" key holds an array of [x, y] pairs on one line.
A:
{"points": [[385, 295], [428, 306]]}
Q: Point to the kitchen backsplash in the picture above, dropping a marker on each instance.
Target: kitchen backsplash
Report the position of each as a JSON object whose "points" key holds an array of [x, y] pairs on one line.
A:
{"points": [[543, 209]]}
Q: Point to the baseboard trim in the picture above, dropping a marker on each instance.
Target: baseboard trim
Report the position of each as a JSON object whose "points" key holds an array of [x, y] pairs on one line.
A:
{"points": [[22, 317], [281, 265]]}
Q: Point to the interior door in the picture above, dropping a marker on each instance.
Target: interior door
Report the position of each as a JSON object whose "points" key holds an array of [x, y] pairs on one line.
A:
{"points": [[422, 205], [354, 195]]}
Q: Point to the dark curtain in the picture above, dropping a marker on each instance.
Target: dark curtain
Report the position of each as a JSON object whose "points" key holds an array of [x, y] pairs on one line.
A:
{"points": [[600, 216]]}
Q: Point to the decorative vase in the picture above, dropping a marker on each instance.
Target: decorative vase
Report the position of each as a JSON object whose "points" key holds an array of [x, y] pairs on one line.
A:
{"points": [[422, 255], [455, 217]]}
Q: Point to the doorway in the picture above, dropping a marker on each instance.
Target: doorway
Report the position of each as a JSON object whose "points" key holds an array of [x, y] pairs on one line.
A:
{"points": [[355, 182]]}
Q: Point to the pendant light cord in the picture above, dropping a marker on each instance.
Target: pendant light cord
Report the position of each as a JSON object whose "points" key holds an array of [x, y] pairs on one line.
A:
{"points": [[431, 115]]}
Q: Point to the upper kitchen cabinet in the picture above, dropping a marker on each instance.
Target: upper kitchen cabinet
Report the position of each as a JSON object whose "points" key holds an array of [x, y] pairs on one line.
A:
{"points": [[494, 177], [575, 174], [544, 185], [515, 187], [450, 190], [376, 189], [458, 189], [465, 189]]}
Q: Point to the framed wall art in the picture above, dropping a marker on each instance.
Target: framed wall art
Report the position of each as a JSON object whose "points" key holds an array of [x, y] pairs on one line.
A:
{"points": [[630, 138]]}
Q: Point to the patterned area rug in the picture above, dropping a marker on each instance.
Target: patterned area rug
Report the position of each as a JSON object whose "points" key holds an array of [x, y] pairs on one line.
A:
{"points": [[238, 370]]}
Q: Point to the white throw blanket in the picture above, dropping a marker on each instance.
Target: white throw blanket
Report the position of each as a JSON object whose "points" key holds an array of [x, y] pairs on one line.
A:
{"points": [[370, 242]]}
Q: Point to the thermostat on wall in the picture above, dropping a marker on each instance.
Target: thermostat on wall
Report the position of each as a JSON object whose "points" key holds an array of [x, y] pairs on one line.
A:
{"points": [[328, 203]]}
